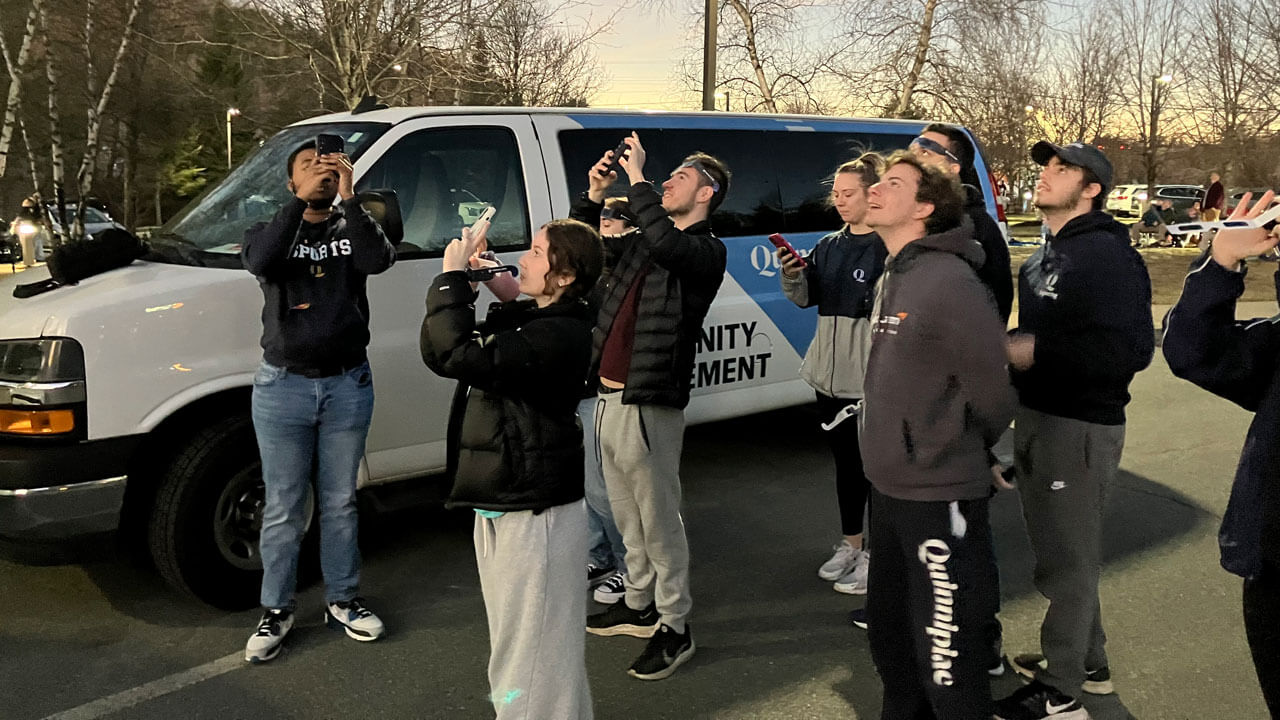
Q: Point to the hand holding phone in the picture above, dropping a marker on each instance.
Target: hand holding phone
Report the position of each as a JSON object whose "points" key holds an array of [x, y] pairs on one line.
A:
{"points": [[615, 165], [329, 144], [782, 244]]}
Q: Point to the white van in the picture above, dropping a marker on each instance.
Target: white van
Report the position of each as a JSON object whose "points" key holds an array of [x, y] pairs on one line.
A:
{"points": [[124, 400]]}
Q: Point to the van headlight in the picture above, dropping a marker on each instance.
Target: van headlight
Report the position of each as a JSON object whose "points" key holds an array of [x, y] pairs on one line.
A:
{"points": [[42, 390]]}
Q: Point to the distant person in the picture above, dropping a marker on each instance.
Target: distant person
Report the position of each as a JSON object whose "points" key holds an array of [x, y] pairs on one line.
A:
{"points": [[29, 229], [1240, 361], [1214, 199], [313, 392], [1152, 221], [1084, 330], [840, 276]]}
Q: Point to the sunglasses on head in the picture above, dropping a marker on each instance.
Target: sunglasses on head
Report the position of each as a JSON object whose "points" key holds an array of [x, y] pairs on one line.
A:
{"points": [[934, 147], [608, 213], [715, 186]]}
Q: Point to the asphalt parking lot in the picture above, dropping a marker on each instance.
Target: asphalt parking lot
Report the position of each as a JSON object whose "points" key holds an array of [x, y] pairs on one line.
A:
{"points": [[103, 638]]}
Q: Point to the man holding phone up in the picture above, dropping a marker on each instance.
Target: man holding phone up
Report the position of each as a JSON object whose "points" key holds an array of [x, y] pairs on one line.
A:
{"points": [[313, 392], [653, 299]]}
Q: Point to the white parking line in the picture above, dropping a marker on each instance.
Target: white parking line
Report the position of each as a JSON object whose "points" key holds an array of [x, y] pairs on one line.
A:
{"points": [[152, 690]]}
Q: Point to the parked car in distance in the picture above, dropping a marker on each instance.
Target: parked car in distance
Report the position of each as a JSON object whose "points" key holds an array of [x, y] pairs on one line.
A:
{"points": [[1182, 197], [1234, 195], [95, 219], [1120, 200]]}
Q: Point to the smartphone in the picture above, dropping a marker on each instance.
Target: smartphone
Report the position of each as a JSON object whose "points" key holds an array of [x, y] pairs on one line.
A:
{"points": [[328, 144], [486, 216], [782, 244], [616, 164]]}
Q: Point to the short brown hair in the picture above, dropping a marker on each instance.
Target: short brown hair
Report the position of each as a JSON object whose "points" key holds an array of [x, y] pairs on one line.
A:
{"points": [[936, 188], [718, 171], [574, 247]]}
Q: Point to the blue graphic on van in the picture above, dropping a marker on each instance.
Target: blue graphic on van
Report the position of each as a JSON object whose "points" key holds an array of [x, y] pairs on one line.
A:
{"points": [[753, 264]]}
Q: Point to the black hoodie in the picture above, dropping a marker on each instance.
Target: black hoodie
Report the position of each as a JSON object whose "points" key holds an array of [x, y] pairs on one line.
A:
{"points": [[937, 388], [995, 271], [1086, 297]]}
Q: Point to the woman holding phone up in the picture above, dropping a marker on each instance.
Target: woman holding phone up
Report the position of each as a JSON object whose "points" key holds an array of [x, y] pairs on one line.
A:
{"points": [[520, 463], [840, 278]]}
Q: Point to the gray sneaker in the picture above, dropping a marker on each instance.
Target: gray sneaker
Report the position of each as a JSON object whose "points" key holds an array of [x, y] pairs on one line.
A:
{"points": [[854, 582], [841, 563], [358, 621], [266, 641]]}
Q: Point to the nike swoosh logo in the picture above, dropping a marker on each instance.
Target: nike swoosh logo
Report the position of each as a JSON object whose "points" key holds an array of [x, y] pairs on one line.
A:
{"points": [[1051, 709]]}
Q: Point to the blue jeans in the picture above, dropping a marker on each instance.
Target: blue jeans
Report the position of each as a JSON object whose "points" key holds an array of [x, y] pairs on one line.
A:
{"points": [[310, 427], [604, 541]]}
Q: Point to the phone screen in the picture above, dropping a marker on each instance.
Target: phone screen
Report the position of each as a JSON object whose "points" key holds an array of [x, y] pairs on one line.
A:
{"points": [[782, 244]]}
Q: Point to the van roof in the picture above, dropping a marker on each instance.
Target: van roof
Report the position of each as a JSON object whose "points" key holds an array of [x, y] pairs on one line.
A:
{"points": [[394, 115]]}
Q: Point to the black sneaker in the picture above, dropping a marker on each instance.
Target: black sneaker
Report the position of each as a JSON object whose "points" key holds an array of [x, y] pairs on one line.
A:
{"points": [[858, 618], [1038, 701], [620, 619], [266, 641], [597, 575], [1096, 682], [666, 651], [613, 589]]}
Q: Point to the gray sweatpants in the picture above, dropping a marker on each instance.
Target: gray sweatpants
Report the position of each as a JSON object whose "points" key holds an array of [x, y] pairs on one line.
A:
{"points": [[1065, 472], [640, 449], [531, 578]]}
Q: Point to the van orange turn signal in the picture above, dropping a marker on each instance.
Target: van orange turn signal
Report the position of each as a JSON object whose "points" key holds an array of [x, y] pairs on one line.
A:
{"points": [[37, 422]]}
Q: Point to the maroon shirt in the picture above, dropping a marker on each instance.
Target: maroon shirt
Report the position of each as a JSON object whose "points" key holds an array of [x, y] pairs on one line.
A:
{"points": [[1213, 197], [615, 356]]}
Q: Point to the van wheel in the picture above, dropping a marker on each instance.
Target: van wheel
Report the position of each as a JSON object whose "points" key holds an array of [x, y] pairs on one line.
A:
{"points": [[208, 514]]}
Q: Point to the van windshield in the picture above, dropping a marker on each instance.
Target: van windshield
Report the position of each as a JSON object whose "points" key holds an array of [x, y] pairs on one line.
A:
{"points": [[209, 230]]}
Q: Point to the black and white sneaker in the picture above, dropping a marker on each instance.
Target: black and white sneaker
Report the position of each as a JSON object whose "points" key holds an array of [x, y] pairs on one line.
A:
{"points": [[666, 651], [359, 621], [597, 574], [266, 641], [858, 618], [1096, 682], [613, 589], [622, 620], [1038, 701]]}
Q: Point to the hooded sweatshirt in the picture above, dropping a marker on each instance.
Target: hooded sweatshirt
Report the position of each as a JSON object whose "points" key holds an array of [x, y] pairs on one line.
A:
{"points": [[1086, 297], [937, 389]]}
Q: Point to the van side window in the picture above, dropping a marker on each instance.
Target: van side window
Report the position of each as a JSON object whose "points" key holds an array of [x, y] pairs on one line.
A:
{"points": [[444, 179], [807, 160], [752, 206]]}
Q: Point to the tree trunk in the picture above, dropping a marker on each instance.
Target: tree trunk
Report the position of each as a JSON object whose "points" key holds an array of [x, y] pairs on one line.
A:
{"points": [[84, 178], [917, 67], [16, 69], [58, 172], [766, 90]]}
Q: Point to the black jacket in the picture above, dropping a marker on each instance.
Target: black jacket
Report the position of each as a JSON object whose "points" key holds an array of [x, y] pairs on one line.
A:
{"points": [[316, 312], [938, 393], [1086, 297], [1240, 361], [520, 441], [683, 271], [995, 272]]}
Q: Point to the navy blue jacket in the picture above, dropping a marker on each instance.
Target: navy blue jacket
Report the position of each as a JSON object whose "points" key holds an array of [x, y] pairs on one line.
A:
{"points": [[1086, 297], [1240, 361]]}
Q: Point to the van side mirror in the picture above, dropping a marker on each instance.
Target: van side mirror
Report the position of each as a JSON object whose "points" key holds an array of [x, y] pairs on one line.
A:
{"points": [[384, 208]]}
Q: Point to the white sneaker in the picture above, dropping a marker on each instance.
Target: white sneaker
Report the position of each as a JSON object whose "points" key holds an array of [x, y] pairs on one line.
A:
{"points": [[613, 589], [841, 563], [854, 582], [266, 642], [359, 621]]}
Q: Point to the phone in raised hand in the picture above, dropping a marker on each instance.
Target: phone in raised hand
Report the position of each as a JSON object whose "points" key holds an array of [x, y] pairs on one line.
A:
{"points": [[782, 244], [615, 165]]}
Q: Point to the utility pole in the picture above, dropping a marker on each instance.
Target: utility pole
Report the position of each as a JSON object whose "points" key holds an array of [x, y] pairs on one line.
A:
{"points": [[709, 56]]}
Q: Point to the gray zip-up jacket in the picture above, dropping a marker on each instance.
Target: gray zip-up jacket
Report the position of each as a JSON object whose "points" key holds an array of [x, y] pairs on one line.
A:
{"points": [[840, 278], [937, 390]]}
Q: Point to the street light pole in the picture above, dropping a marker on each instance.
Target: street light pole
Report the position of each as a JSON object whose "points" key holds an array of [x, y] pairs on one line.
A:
{"points": [[709, 55], [231, 112]]}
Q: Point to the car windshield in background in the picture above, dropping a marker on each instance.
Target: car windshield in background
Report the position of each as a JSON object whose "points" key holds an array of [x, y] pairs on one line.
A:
{"points": [[214, 224]]}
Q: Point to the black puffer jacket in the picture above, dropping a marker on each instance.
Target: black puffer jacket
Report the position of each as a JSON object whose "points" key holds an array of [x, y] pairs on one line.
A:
{"points": [[995, 272], [521, 442], [682, 271]]}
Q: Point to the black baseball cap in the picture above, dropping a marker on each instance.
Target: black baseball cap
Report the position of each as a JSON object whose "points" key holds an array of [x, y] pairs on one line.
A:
{"points": [[1078, 154]]}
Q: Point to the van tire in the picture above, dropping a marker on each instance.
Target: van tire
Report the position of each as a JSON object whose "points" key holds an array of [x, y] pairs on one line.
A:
{"points": [[185, 533]]}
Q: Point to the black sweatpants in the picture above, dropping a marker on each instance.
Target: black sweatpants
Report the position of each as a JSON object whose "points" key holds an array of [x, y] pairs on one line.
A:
{"points": [[1262, 627], [930, 603], [851, 482]]}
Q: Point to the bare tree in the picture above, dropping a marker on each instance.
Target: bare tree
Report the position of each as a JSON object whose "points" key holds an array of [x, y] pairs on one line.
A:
{"points": [[527, 60], [16, 68], [1152, 75], [1081, 97]]}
